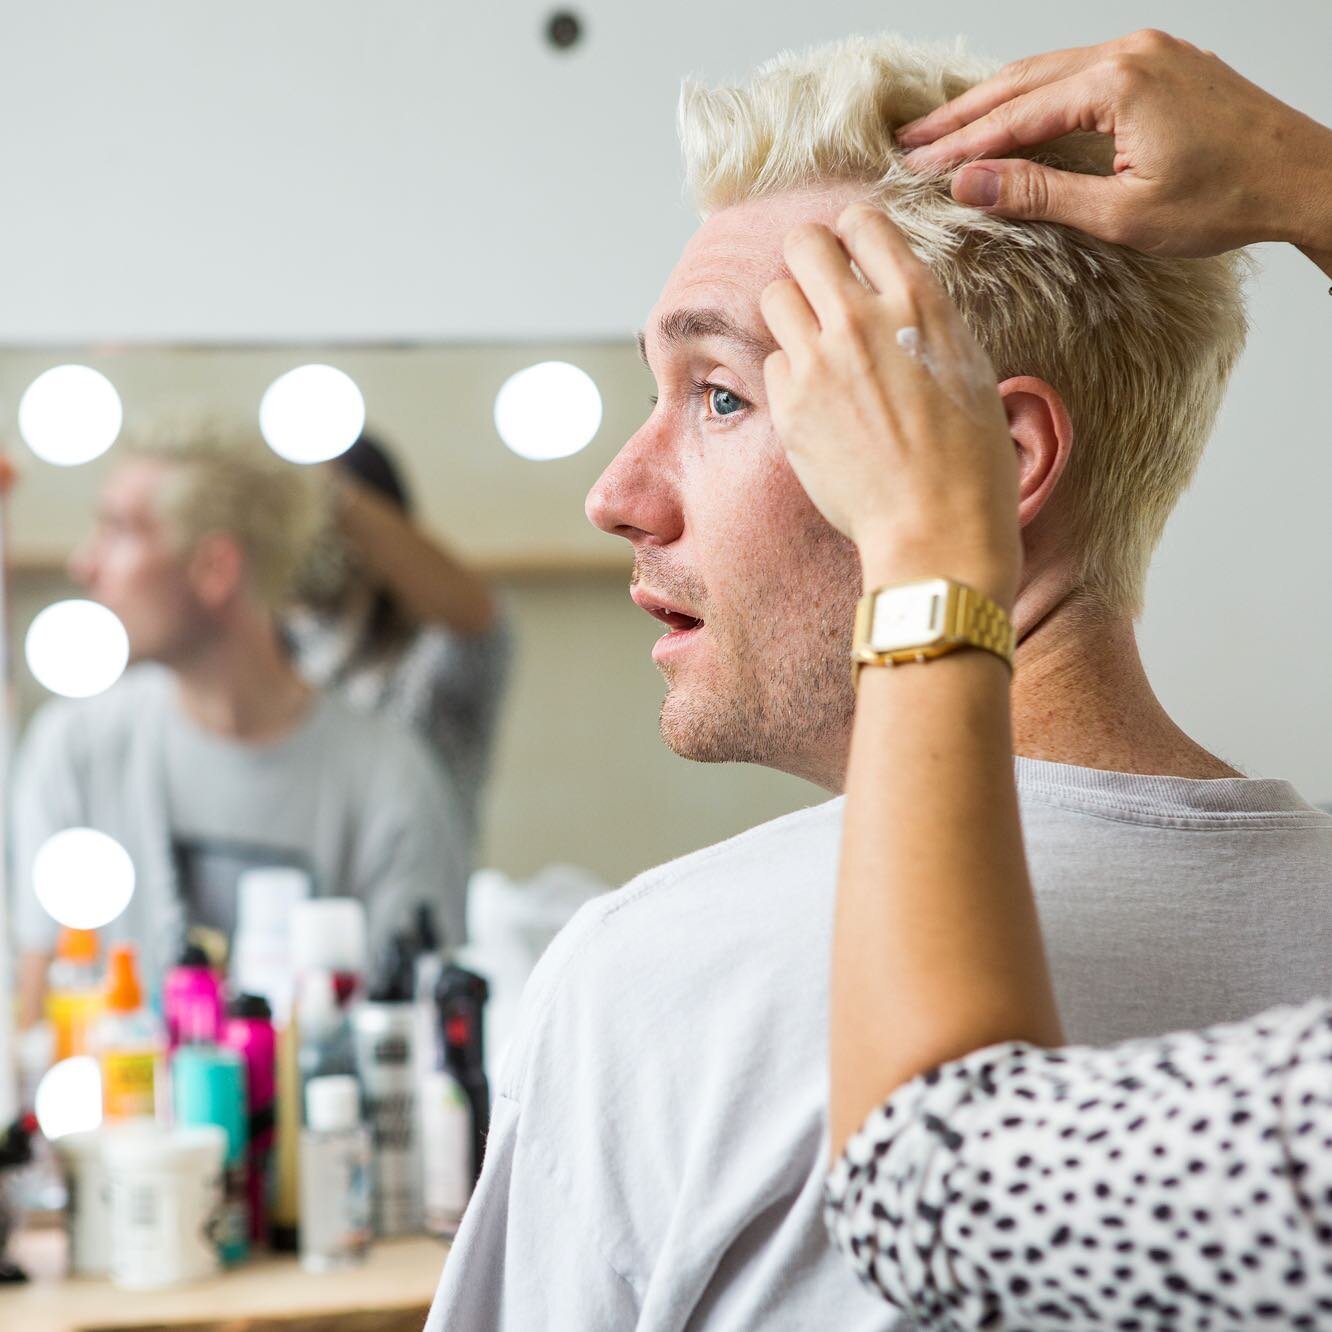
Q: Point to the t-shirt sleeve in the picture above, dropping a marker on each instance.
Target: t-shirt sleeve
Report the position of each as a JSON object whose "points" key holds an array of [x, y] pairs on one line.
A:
{"points": [[1044, 1189], [47, 799]]}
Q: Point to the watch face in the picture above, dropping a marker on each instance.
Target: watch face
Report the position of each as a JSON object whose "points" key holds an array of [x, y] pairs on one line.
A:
{"points": [[911, 616]]}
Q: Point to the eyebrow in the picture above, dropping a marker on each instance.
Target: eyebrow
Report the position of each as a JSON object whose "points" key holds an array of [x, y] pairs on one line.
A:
{"points": [[682, 326]]}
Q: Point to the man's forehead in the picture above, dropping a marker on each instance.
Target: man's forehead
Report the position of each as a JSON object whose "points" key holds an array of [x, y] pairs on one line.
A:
{"points": [[735, 254]]}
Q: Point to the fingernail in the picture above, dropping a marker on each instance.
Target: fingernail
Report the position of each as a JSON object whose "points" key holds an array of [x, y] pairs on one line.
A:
{"points": [[976, 186]]}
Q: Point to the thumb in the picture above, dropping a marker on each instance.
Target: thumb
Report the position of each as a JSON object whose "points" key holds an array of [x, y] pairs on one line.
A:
{"points": [[1037, 193]]}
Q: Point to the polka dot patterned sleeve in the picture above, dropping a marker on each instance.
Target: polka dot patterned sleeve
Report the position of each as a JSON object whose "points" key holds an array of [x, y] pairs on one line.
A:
{"points": [[1182, 1182]]}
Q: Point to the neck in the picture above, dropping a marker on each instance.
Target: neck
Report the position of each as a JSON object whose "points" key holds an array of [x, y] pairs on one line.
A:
{"points": [[1081, 695], [240, 684]]}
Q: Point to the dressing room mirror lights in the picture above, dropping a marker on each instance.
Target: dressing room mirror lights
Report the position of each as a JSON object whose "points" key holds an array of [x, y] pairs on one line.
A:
{"points": [[76, 648], [70, 415], [312, 414], [69, 1098], [83, 878], [550, 410]]}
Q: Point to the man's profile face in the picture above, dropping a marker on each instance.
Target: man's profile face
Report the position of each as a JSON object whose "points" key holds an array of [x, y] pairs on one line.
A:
{"points": [[727, 546], [131, 564]]}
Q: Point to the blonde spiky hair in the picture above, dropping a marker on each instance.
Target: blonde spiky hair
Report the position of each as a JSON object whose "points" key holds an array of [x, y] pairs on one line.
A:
{"points": [[1138, 346], [226, 479]]}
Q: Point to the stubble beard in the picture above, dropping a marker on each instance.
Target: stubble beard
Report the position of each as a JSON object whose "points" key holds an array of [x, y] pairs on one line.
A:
{"points": [[778, 692]]}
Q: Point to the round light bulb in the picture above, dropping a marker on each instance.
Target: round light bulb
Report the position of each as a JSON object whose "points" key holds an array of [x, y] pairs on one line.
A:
{"points": [[70, 414], [312, 414], [550, 410], [76, 648], [69, 1097], [83, 878]]}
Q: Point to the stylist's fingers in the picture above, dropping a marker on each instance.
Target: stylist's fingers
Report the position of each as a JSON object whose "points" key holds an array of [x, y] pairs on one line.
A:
{"points": [[1086, 102], [1098, 205], [818, 262], [788, 315], [883, 255], [1014, 79]]}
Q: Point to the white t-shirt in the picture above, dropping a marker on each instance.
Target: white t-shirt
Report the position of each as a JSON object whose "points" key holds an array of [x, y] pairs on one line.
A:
{"points": [[352, 798], [658, 1144]]}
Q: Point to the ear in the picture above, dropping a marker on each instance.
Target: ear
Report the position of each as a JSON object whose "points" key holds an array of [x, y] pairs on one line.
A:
{"points": [[1043, 436], [216, 569]]}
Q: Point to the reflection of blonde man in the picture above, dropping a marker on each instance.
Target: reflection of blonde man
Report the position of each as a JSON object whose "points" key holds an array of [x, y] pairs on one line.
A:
{"points": [[658, 1141], [212, 754]]}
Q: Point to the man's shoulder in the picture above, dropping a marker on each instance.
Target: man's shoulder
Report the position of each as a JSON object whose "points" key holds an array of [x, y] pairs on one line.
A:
{"points": [[765, 888], [104, 722]]}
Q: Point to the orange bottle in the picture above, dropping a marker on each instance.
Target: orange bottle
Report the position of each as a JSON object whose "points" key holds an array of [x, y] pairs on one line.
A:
{"points": [[129, 1042], [74, 992]]}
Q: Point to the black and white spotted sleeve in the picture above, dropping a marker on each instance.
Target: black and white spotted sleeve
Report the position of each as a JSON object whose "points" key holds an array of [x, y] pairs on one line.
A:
{"points": [[1182, 1182]]}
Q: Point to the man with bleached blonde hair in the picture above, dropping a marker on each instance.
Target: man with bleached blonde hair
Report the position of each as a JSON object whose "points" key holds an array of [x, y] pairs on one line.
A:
{"points": [[212, 755], [658, 1140]]}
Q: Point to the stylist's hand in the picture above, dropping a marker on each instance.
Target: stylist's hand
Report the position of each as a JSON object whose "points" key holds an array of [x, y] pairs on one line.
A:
{"points": [[910, 458], [1205, 161]]}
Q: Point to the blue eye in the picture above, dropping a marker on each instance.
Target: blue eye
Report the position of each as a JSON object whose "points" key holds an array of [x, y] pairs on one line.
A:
{"points": [[725, 403]]}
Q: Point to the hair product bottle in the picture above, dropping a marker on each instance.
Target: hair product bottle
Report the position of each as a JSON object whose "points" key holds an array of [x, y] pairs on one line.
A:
{"points": [[249, 1031], [335, 1176], [192, 1000], [74, 992], [208, 1087], [128, 1041], [384, 1034]]}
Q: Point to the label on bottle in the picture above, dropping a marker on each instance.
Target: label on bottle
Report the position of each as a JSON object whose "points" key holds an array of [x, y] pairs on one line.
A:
{"points": [[335, 1197], [446, 1142], [129, 1084]]}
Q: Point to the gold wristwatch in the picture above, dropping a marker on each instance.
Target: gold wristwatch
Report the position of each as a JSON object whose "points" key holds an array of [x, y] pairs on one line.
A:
{"points": [[927, 618]]}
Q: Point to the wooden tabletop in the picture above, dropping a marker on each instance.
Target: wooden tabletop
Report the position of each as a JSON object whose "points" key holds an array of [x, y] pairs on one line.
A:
{"points": [[390, 1293]]}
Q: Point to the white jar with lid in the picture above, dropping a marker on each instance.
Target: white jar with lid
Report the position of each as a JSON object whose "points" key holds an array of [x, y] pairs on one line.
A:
{"points": [[87, 1212], [165, 1189]]}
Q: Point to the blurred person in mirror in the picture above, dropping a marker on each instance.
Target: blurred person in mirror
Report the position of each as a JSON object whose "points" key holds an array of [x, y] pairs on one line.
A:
{"points": [[390, 618], [659, 1137], [212, 754]]}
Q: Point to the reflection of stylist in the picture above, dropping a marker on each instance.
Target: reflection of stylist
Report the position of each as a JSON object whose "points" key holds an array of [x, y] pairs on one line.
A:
{"points": [[396, 622], [1179, 1182]]}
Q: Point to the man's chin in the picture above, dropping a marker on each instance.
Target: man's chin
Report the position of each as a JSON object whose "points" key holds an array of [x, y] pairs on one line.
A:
{"points": [[705, 731]]}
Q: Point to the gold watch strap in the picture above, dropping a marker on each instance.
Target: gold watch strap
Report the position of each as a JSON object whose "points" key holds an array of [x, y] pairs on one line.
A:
{"points": [[971, 619]]}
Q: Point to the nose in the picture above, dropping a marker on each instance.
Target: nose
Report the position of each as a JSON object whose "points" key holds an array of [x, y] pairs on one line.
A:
{"points": [[637, 496]]}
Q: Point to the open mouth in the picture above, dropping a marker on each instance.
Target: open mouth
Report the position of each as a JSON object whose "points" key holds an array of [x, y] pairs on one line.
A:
{"points": [[675, 621]]}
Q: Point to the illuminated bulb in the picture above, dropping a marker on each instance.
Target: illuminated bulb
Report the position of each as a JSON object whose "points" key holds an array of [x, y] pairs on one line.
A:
{"points": [[550, 410], [311, 414], [69, 1097], [76, 648], [70, 415], [83, 878]]}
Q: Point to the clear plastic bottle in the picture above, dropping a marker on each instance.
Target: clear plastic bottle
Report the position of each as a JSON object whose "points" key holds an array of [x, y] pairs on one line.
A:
{"points": [[129, 1042], [335, 1176]]}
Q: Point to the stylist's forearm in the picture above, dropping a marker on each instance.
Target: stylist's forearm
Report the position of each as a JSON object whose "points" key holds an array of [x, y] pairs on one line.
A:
{"points": [[937, 949], [428, 582]]}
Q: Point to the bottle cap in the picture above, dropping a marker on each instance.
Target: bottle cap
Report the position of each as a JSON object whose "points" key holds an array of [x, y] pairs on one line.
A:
{"points": [[192, 955], [250, 1006], [332, 1103], [329, 934], [124, 994], [77, 945]]}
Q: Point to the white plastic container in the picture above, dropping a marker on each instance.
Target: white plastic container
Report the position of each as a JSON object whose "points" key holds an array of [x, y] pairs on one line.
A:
{"points": [[261, 954], [385, 1037], [165, 1188], [329, 934], [88, 1206], [335, 1176], [446, 1152]]}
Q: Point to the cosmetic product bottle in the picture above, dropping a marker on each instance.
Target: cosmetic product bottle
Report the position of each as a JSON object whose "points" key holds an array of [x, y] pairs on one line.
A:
{"points": [[192, 1000], [383, 1032], [73, 992], [248, 1029], [129, 1043], [335, 1176]]}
